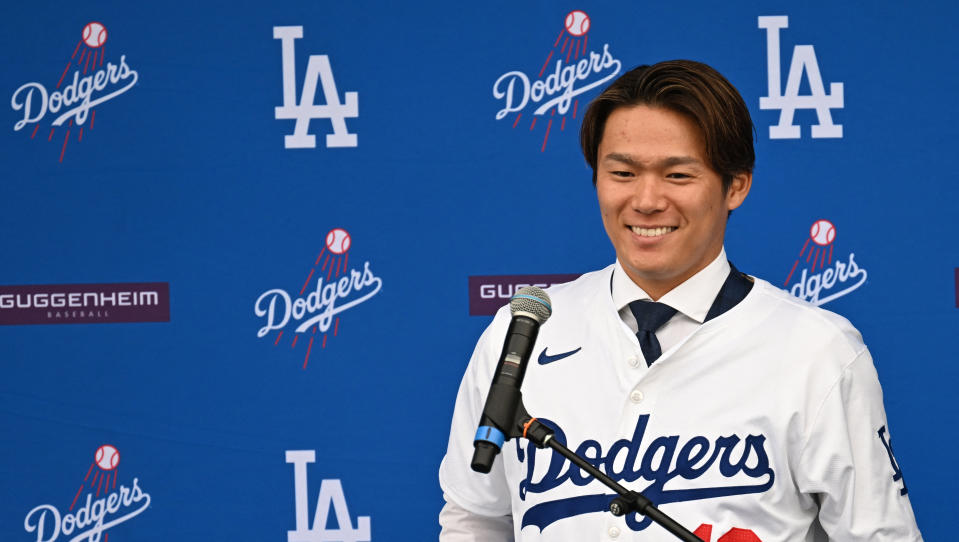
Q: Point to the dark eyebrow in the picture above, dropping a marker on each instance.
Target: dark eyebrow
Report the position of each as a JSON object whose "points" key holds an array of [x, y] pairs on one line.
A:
{"points": [[664, 163]]}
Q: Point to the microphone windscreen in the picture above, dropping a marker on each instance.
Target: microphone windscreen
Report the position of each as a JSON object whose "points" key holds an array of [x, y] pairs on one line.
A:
{"points": [[531, 301]]}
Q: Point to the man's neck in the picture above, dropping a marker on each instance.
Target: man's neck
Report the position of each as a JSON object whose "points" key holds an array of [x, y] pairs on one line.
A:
{"points": [[692, 297], [658, 288]]}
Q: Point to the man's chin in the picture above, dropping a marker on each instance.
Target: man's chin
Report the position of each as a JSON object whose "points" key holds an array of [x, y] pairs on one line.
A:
{"points": [[649, 271]]}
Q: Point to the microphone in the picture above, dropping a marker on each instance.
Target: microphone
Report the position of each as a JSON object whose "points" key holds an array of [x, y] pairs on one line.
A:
{"points": [[530, 307]]}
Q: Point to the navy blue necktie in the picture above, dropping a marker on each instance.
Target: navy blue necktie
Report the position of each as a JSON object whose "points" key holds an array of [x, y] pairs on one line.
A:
{"points": [[650, 316]]}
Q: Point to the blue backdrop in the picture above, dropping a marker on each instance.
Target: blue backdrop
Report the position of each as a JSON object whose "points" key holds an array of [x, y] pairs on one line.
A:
{"points": [[181, 173]]}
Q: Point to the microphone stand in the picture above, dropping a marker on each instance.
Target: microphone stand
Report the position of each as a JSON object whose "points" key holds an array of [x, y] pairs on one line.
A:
{"points": [[541, 436]]}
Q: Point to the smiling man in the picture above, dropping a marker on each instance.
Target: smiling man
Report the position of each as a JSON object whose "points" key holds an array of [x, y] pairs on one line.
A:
{"points": [[739, 410], [663, 205]]}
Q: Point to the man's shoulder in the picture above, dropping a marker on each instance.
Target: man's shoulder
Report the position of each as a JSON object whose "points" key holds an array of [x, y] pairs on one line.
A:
{"points": [[569, 297], [581, 291], [793, 315]]}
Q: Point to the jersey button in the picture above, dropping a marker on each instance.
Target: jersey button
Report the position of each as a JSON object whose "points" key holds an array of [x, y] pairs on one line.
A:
{"points": [[636, 396], [633, 362], [613, 532]]}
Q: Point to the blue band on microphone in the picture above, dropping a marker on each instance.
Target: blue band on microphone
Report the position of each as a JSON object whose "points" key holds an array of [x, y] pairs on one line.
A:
{"points": [[534, 298], [491, 435]]}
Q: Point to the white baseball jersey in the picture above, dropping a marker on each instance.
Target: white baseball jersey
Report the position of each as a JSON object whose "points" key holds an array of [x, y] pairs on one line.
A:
{"points": [[765, 424]]}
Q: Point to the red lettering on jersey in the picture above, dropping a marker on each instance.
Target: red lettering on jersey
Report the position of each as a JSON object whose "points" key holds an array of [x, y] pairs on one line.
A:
{"points": [[705, 533]]}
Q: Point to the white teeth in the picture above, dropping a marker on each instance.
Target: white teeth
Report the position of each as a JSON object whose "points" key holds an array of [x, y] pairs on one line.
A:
{"points": [[651, 232]]}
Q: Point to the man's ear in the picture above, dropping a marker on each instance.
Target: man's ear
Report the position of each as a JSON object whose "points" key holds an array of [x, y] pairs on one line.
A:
{"points": [[738, 190]]}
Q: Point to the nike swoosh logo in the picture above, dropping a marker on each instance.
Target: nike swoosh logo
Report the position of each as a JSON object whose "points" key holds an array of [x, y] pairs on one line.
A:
{"points": [[544, 358]]}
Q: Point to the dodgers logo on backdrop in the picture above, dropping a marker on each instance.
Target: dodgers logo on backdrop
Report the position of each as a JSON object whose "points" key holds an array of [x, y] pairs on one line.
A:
{"points": [[318, 70], [834, 279], [331, 495], [570, 70], [99, 504], [86, 83], [334, 288], [671, 465], [788, 101]]}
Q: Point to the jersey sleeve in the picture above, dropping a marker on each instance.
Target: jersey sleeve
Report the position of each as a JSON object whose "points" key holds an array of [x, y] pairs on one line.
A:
{"points": [[460, 525], [484, 494], [847, 463]]}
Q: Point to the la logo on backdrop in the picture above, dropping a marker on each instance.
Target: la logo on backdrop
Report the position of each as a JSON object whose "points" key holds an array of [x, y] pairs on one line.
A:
{"points": [[99, 504], [317, 70], [570, 69], [835, 277], [331, 497], [789, 100], [333, 287], [87, 81]]}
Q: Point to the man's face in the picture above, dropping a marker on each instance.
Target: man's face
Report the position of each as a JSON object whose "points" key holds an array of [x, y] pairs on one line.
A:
{"points": [[662, 204]]}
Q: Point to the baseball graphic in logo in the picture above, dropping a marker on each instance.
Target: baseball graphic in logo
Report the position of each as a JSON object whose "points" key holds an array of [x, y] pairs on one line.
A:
{"points": [[107, 457], [577, 23], [94, 34], [338, 241], [822, 232]]}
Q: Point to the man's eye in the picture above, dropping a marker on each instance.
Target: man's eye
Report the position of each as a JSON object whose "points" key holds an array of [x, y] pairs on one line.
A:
{"points": [[678, 175], [621, 174]]}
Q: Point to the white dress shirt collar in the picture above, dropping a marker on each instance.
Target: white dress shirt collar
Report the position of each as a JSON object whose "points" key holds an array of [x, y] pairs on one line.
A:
{"points": [[692, 298]]}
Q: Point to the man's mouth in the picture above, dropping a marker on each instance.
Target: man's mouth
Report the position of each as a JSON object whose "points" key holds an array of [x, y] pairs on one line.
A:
{"points": [[652, 232]]}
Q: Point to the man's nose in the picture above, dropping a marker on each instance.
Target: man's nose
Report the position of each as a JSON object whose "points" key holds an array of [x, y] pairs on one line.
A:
{"points": [[649, 196]]}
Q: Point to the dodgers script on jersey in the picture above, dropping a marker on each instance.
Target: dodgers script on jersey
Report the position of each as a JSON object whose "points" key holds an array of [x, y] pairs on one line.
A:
{"points": [[765, 424]]}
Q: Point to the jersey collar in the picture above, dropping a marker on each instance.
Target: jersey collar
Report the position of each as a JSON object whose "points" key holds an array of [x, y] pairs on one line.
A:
{"points": [[692, 298]]}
